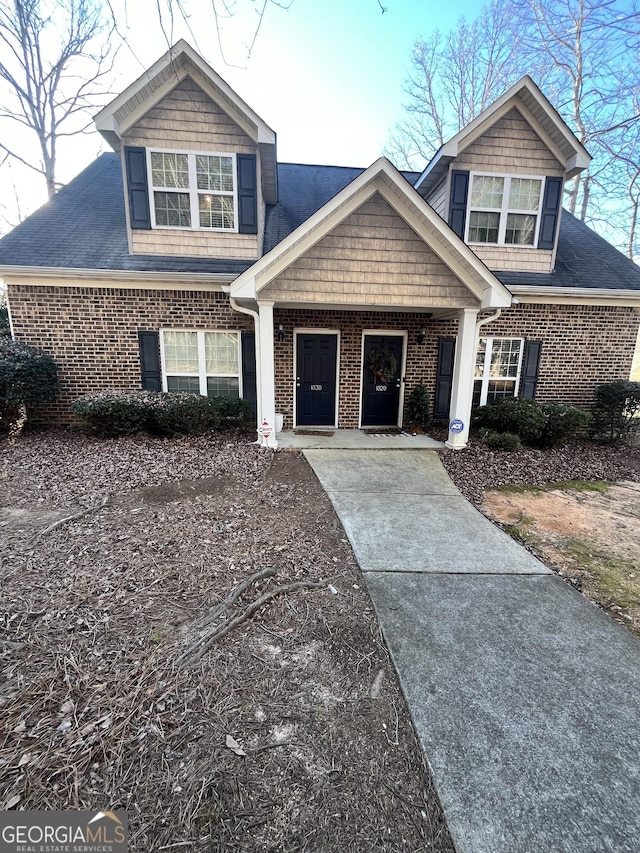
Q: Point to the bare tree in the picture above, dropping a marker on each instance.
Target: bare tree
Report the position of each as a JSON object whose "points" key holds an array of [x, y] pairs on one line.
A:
{"points": [[584, 54], [54, 57]]}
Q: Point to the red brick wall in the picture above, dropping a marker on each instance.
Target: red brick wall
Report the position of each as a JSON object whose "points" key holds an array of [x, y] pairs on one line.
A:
{"points": [[92, 333]]}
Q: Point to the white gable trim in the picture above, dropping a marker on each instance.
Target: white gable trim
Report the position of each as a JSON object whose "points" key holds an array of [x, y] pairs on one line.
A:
{"points": [[382, 178]]}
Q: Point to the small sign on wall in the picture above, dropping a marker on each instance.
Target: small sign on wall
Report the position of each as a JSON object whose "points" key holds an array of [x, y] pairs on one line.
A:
{"points": [[456, 425]]}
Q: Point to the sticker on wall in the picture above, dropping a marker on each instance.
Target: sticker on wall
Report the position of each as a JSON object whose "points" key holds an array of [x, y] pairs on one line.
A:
{"points": [[456, 426]]}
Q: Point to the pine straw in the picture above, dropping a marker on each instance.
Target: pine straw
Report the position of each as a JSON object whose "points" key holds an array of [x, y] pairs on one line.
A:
{"points": [[101, 600]]}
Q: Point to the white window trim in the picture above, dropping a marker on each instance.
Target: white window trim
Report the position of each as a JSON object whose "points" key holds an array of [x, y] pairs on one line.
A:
{"points": [[505, 209], [486, 370], [202, 360], [193, 191]]}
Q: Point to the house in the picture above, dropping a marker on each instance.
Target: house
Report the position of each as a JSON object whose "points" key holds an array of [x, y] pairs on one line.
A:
{"points": [[190, 259]]}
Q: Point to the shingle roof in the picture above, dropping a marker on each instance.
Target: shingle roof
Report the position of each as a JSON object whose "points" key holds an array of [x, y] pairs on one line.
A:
{"points": [[583, 259], [84, 227]]}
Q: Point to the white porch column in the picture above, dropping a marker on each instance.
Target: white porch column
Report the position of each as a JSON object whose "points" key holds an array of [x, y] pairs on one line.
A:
{"points": [[266, 373], [462, 389]]}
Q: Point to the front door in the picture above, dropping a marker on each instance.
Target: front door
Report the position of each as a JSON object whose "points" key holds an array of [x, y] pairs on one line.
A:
{"points": [[381, 378], [316, 367]]}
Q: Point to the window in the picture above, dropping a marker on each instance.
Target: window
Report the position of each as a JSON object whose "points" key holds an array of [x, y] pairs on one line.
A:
{"points": [[504, 210], [193, 190], [497, 373], [206, 363]]}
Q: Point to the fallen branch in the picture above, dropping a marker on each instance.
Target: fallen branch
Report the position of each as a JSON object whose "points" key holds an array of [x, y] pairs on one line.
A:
{"points": [[64, 520], [202, 646], [234, 595]]}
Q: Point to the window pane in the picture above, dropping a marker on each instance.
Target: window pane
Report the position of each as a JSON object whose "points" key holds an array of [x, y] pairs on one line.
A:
{"points": [[524, 194], [183, 383], [486, 191], [170, 170], [483, 227], [216, 211], [172, 209], [222, 386], [477, 390], [520, 229], [500, 389], [505, 358], [214, 173], [181, 353], [221, 350], [480, 355]]}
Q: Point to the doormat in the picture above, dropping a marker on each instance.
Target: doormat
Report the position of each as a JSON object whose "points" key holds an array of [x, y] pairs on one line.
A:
{"points": [[327, 432], [382, 431]]}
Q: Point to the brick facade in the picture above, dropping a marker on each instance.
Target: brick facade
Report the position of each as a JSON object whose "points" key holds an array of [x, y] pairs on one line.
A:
{"points": [[93, 335]]}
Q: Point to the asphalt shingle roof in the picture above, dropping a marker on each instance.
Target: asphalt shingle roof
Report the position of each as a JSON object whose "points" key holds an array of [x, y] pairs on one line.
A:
{"points": [[84, 227]]}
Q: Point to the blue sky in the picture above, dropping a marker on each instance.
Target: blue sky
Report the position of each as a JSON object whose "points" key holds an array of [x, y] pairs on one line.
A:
{"points": [[326, 75]]}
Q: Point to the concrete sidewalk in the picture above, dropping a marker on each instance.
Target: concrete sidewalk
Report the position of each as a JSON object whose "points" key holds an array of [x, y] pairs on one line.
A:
{"points": [[525, 697]]}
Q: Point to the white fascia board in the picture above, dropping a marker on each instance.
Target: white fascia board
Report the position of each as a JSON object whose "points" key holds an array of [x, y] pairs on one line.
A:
{"points": [[576, 295], [381, 178], [85, 277], [104, 120]]}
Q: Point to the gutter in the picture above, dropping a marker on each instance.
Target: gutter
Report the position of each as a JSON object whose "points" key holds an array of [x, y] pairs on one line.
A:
{"points": [[568, 295], [217, 280]]}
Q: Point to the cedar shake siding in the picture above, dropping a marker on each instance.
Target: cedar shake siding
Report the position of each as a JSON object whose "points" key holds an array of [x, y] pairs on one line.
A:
{"points": [[92, 333], [372, 257], [188, 120], [511, 147]]}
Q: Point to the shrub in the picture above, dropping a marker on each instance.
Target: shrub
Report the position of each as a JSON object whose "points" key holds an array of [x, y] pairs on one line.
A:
{"points": [[28, 376], [4, 315], [419, 406], [114, 413], [561, 423], [502, 440], [616, 411], [525, 418]]}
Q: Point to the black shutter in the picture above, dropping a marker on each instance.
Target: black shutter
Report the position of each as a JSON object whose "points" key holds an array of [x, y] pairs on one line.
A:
{"points": [[249, 388], [150, 360], [444, 378], [458, 201], [137, 187], [247, 194], [550, 212], [530, 364]]}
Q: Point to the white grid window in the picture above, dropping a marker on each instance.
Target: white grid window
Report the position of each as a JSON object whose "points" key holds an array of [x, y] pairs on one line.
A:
{"points": [[206, 363], [497, 371], [193, 190], [504, 210]]}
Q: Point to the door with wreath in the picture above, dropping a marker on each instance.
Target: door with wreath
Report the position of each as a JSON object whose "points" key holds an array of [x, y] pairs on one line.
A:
{"points": [[381, 380]]}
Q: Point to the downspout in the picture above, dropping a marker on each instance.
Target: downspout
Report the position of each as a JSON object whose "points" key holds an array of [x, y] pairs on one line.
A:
{"points": [[486, 320], [256, 319]]}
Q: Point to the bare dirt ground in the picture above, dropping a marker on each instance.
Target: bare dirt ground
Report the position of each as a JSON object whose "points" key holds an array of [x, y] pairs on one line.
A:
{"points": [[117, 559], [590, 537], [585, 527]]}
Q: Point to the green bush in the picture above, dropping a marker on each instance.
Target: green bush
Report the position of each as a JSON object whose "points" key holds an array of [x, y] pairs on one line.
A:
{"points": [[419, 406], [616, 411], [525, 418], [536, 424], [28, 376], [114, 413], [561, 423], [501, 440], [4, 315]]}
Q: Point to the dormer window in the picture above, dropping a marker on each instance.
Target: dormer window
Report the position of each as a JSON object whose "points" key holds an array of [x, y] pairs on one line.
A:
{"points": [[192, 190], [504, 210]]}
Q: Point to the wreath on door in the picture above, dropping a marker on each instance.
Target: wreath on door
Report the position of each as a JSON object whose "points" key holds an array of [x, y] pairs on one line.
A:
{"points": [[383, 365]]}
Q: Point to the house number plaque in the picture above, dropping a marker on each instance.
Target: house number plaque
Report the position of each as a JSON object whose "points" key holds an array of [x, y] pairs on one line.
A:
{"points": [[381, 387], [316, 387]]}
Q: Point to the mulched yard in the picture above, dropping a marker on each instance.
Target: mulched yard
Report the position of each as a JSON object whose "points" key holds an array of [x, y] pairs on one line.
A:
{"points": [[119, 557]]}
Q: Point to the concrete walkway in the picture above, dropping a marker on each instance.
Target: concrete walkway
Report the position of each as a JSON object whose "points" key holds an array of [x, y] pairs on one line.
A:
{"points": [[525, 697]]}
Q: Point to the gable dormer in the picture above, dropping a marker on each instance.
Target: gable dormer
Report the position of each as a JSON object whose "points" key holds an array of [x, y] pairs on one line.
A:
{"points": [[198, 164], [499, 182]]}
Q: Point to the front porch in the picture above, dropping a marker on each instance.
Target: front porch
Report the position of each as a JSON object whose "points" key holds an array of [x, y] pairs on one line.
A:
{"points": [[354, 439]]}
